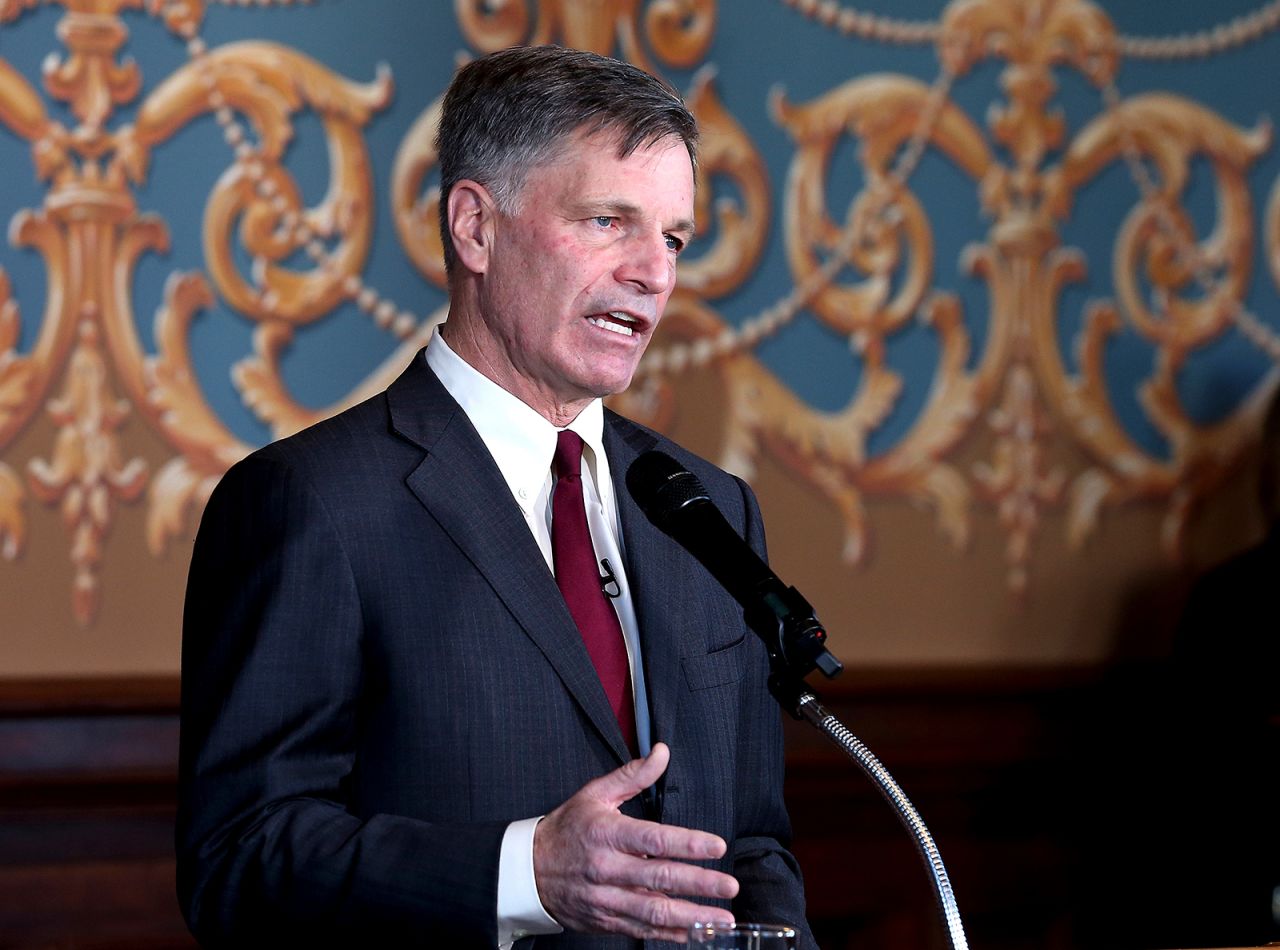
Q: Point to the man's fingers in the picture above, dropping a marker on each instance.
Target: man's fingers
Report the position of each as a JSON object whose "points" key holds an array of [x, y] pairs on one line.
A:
{"points": [[673, 877], [598, 870], [650, 839], [644, 914]]}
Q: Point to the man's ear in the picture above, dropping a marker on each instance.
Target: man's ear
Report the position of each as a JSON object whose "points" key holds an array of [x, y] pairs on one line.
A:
{"points": [[471, 224]]}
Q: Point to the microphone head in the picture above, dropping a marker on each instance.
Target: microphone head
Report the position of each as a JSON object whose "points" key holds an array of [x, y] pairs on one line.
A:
{"points": [[662, 487]]}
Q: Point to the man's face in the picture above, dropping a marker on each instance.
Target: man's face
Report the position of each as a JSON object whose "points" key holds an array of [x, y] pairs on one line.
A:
{"points": [[581, 270]]}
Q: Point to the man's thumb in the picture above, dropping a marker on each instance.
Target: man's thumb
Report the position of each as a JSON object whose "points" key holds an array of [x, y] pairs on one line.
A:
{"points": [[631, 779]]}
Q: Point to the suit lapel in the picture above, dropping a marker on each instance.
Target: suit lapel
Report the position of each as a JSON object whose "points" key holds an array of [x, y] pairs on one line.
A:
{"points": [[461, 486], [654, 586]]}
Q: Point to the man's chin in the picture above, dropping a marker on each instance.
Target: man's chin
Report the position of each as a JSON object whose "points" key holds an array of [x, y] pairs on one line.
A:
{"points": [[604, 386]]}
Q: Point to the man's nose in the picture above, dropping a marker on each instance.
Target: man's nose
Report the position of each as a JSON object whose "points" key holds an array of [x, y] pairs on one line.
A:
{"points": [[649, 264]]}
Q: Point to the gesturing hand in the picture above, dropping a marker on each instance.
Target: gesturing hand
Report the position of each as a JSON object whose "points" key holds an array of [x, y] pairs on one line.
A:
{"points": [[598, 870]]}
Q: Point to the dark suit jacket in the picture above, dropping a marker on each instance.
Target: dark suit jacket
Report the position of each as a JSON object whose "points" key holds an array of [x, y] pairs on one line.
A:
{"points": [[379, 673]]}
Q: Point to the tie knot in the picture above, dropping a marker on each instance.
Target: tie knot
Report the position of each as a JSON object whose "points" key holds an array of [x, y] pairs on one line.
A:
{"points": [[568, 458]]}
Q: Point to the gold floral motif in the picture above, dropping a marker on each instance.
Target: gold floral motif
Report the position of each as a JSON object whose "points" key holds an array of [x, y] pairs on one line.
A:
{"points": [[91, 235], [1016, 481], [87, 471], [13, 522], [91, 80], [182, 17], [679, 31]]}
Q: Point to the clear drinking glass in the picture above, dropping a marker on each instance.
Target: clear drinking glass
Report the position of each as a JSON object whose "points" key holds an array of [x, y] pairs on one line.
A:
{"points": [[742, 936]]}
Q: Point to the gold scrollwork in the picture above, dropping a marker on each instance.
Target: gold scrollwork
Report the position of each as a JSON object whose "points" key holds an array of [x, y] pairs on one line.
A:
{"points": [[13, 522], [1170, 132], [90, 235], [866, 272], [1271, 233], [891, 229], [417, 213], [1020, 385], [890, 224], [678, 31], [268, 83], [742, 228]]}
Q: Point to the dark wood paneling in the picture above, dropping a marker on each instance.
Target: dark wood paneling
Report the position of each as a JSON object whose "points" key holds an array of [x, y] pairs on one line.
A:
{"points": [[975, 752], [1032, 782], [87, 791]]}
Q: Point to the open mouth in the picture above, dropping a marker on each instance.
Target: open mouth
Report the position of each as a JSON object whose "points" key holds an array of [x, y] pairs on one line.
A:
{"points": [[615, 321]]}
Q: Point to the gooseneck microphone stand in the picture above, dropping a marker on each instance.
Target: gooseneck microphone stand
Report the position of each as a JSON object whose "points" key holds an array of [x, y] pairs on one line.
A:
{"points": [[795, 644]]}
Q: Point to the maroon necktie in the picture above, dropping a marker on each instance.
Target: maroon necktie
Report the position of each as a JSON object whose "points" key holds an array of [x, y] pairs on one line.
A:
{"points": [[578, 576]]}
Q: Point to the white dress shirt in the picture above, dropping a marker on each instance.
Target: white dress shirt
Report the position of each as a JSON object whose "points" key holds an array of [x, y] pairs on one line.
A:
{"points": [[523, 444]]}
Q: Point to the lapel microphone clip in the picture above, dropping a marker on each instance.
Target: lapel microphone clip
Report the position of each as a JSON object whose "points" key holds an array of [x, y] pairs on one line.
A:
{"points": [[609, 585]]}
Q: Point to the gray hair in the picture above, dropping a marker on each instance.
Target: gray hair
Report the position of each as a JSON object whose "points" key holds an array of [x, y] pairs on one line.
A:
{"points": [[515, 110]]}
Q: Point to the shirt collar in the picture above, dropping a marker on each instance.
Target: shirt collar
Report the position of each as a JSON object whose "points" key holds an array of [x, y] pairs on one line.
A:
{"points": [[521, 441]]}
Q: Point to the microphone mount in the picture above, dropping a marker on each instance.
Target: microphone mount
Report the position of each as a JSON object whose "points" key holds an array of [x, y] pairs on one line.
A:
{"points": [[674, 499]]}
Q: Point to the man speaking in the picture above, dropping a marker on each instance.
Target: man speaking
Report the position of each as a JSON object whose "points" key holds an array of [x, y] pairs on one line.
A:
{"points": [[443, 682]]}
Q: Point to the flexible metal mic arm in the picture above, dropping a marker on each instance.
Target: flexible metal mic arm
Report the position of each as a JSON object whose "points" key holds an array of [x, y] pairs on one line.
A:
{"points": [[796, 697], [795, 642]]}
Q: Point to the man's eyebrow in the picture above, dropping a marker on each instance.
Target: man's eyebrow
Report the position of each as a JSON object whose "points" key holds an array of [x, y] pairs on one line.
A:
{"points": [[590, 206], [684, 226]]}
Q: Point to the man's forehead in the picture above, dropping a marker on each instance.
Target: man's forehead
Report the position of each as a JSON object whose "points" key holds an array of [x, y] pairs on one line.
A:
{"points": [[613, 142], [593, 168]]}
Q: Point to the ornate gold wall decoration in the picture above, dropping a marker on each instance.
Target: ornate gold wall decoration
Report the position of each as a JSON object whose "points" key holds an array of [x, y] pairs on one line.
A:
{"points": [[91, 235], [679, 31], [880, 274], [1015, 428]]}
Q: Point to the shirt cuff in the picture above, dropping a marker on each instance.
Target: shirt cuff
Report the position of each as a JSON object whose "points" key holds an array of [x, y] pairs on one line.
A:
{"points": [[520, 912]]}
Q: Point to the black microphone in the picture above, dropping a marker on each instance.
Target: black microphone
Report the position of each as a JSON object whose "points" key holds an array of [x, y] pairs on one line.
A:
{"points": [[609, 585], [674, 499]]}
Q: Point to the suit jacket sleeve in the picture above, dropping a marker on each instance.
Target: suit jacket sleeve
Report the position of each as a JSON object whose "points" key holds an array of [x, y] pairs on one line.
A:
{"points": [[271, 705]]}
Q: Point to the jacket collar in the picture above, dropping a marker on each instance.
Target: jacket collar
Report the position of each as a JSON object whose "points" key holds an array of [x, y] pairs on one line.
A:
{"points": [[461, 487]]}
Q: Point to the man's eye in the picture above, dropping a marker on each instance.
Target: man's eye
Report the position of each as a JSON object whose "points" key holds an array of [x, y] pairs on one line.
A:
{"points": [[602, 220], [674, 243]]}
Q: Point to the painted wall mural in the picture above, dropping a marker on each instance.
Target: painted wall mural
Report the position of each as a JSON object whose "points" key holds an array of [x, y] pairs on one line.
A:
{"points": [[1012, 408]]}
